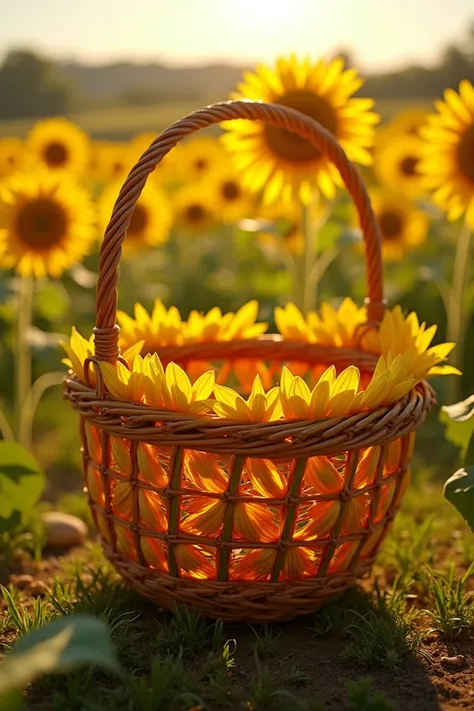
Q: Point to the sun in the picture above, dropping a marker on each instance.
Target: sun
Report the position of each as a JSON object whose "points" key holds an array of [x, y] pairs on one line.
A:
{"points": [[266, 13]]}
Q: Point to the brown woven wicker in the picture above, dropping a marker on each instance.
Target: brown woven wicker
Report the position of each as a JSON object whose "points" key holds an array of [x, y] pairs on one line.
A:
{"points": [[148, 554]]}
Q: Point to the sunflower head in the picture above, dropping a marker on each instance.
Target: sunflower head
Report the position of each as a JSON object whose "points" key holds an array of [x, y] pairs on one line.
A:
{"points": [[12, 156], [109, 161], [396, 161], [167, 171], [59, 146], [279, 161], [199, 157], [194, 209], [232, 201], [151, 219], [409, 122], [47, 224], [403, 225], [448, 153]]}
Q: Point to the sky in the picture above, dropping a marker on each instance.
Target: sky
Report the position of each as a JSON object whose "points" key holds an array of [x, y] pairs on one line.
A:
{"points": [[383, 34]]}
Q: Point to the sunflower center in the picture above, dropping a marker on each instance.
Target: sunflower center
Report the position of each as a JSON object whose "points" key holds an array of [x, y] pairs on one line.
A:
{"points": [[41, 223], [195, 213], [55, 154], [117, 168], [139, 221], [391, 224], [230, 190], [200, 164], [408, 166], [287, 145], [466, 154]]}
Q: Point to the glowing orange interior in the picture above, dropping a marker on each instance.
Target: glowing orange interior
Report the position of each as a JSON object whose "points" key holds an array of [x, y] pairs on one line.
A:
{"points": [[201, 515]]}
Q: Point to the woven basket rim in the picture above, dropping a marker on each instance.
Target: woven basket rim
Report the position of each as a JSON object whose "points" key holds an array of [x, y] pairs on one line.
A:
{"points": [[281, 439]]}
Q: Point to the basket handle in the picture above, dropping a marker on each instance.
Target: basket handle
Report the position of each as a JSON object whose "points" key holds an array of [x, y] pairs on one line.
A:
{"points": [[106, 332]]}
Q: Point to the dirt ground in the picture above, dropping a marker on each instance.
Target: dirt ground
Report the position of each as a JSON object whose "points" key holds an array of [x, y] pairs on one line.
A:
{"points": [[424, 682]]}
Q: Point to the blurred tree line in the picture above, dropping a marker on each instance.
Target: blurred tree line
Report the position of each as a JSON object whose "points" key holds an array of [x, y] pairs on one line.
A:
{"points": [[456, 63], [31, 86], [34, 86]]}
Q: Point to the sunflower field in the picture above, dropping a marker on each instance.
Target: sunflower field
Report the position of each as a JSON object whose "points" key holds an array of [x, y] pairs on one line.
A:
{"points": [[241, 231]]}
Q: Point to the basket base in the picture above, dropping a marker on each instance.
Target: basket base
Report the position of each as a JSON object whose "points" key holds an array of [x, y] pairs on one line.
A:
{"points": [[236, 601]]}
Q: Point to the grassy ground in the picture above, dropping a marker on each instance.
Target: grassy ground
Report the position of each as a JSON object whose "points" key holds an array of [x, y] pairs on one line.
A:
{"points": [[120, 123], [402, 639]]}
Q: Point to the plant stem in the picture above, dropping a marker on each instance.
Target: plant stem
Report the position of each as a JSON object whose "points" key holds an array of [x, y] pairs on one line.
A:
{"points": [[23, 354], [5, 429], [457, 315], [309, 286], [32, 400]]}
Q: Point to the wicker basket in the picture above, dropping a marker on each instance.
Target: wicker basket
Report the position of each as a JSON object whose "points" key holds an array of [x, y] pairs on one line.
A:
{"points": [[149, 554]]}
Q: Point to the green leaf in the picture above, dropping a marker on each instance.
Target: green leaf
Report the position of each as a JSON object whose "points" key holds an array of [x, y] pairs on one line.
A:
{"points": [[12, 701], [21, 481], [7, 524], [52, 302], [64, 644], [459, 490], [469, 455], [459, 423]]}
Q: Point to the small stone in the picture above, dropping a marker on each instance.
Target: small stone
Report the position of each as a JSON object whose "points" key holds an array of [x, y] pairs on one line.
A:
{"points": [[458, 661], [63, 530], [38, 588], [21, 581]]}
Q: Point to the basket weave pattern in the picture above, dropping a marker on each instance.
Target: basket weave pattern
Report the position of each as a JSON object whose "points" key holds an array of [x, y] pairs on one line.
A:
{"points": [[320, 495]]}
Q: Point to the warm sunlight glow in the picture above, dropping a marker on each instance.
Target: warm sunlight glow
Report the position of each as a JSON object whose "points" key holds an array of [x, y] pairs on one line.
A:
{"points": [[267, 14]]}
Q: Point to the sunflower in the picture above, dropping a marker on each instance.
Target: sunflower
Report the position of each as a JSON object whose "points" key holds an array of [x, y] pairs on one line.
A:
{"points": [[278, 161], [448, 160], [59, 145], [12, 155], [232, 201], [194, 209], [396, 161], [151, 219], [161, 327], [109, 161], [46, 224], [409, 122], [199, 157], [403, 225], [167, 171]]}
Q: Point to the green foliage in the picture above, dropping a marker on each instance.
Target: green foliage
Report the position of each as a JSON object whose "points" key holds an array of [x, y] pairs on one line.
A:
{"points": [[24, 541], [266, 693], [266, 640], [452, 610], [410, 545], [167, 687], [295, 676], [21, 484], [459, 422], [217, 672], [91, 590], [56, 648], [459, 490], [335, 617], [20, 617], [380, 640], [362, 698], [52, 301], [186, 633]]}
